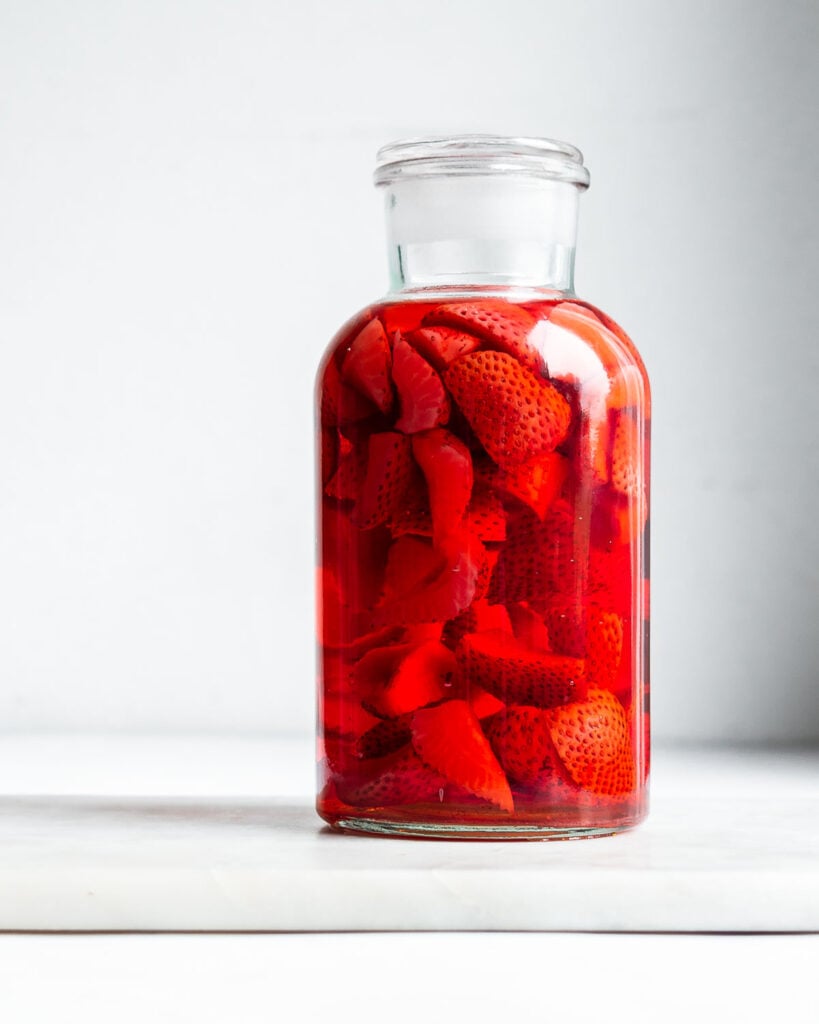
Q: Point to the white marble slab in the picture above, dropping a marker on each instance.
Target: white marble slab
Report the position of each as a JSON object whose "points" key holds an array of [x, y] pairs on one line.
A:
{"points": [[732, 845]]}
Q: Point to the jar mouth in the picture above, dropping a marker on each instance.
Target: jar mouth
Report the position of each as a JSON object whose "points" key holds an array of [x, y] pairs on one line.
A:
{"points": [[449, 155]]}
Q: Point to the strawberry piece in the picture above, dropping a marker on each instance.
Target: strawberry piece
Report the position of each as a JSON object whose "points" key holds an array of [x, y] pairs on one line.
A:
{"points": [[626, 476], [449, 739], [398, 778], [441, 346], [482, 702], [447, 465], [446, 594], [518, 675], [384, 737], [339, 403], [530, 628], [367, 365], [537, 483], [500, 324], [376, 667], [423, 400], [328, 454], [341, 622], [389, 463], [592, 633], [479, 617], [520, 739], [539, 558], [515, 415], [424, 675], [346, 482], [411, 562], [486, 516], [341, 715], [592, 740]]}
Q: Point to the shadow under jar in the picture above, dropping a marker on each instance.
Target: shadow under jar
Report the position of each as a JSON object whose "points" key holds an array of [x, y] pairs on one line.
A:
{"points": [[483, 518]]}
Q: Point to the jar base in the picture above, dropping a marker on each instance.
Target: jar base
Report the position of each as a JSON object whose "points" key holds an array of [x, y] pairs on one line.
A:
{"points": [[454, 830]]}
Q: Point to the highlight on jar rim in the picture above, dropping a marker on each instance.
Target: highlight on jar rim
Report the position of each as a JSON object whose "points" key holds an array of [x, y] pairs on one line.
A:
{"points": [[444, 155]]}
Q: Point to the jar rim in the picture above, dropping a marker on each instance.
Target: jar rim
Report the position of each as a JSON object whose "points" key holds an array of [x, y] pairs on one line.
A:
{"points": [[447, 155]]}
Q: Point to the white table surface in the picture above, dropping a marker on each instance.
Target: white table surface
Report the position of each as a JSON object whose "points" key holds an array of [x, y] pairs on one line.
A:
{"points": [[445, 976], [732, 844]]}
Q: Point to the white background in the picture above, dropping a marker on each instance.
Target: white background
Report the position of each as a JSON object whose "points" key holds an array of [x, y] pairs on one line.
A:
{"points": [[186, 216]]}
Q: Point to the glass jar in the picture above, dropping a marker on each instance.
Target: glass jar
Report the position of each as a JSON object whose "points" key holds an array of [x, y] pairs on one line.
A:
{"points": [[483, 517]]}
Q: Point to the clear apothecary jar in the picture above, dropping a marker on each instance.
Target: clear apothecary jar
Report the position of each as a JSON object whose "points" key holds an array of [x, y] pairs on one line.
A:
{"points": [[482, 517]]}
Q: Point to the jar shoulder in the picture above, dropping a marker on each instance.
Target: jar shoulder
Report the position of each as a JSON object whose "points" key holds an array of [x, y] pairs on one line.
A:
{"points": [[564, 337]]}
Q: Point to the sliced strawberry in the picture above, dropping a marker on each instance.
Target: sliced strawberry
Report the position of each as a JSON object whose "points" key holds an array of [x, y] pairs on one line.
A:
{"points": [[341, 623], [398, 778], [530, 628], [373, 671], [592, 740], [617, 519], [342, 715], [589, 632], [348, 478], [447, 465], [339, 403], [442, 345], [384, 737], [422, 632], [518, 675], [486, 516], [520, 739], [482, 702], [626, 476], [449, 739], [539, 558], [445, 595], [479, 617], [424, 675], [498, 323], [515, 415], [367, 365], [411, 563], [423, 400], [538, 482], [388, 471]]}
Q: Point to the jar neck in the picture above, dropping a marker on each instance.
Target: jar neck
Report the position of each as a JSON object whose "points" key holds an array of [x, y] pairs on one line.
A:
{"points": [[484, 231]]}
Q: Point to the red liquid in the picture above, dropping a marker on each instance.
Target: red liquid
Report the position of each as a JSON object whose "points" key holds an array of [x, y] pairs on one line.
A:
{"points": [[483, 590]]}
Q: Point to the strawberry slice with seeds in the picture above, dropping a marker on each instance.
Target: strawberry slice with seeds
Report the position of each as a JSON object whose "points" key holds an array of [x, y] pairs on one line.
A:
{"points": [[384, 737], [479, 617], [398, 778], [345, 484], [449, 739], [441, 346], [538, 482], [520, 739], [516, 674], [389, 463], [593, 742], [515, 414], [593, 633], [423, 400], [486, 516], [367, 365], [625, 452], [538, 558], [499, 324], [447, 465]]}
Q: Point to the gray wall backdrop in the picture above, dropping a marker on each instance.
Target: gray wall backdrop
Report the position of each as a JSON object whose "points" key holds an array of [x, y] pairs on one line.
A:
{"points": [[186, 216]]}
